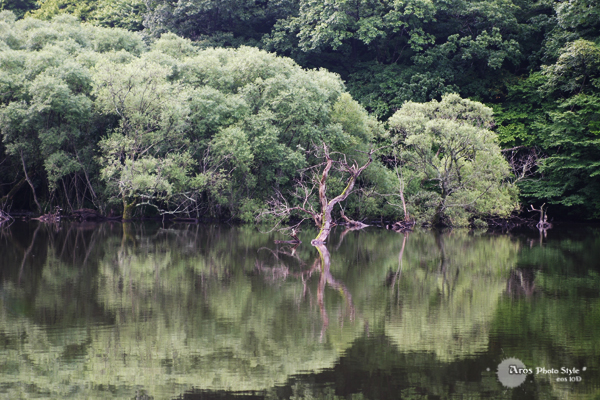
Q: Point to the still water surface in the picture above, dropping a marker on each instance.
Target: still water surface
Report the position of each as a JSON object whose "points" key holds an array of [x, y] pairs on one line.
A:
{"points": [[111, 311]]}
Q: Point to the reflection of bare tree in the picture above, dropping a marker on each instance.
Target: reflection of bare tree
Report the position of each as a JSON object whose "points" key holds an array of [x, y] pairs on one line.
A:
{"points": [[327, 278], [282, 272], [5, 222], [73, 244], [521, 282], [28, 252], [349, 228], [398, 273], [543, 235], [4, 217], [69, 244]]}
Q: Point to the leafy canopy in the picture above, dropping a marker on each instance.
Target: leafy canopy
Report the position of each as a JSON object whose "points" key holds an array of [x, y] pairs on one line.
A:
{"points": [[453, 160]]}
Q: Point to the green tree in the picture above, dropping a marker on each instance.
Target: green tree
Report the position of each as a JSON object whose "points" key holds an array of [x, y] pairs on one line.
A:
{"points": [[576, 19], [260, 115], [126, 14], [145, 158], [218, 22], [49, 128], [50, 8], [451, 151], [18, 7], [175, 127], [392, 52], [569, 132], [554, 114]]}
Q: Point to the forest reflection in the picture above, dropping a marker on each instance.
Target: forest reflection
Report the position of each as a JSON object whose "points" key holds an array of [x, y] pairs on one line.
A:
{"points": [[113, 310]]}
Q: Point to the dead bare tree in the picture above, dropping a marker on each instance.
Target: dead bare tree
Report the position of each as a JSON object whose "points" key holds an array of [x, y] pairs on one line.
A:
{"points": [[294, 234], [523, 161], [281, 209], [350, 223], [543, 223]]}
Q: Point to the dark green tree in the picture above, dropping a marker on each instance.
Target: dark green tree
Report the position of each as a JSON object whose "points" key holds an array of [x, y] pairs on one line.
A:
{"points": [[392, 52], [18, 7], [229, 22]]}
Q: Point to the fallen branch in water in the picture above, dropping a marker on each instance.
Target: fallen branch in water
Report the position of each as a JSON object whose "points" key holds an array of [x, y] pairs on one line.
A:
{"points": [[403, 226]]}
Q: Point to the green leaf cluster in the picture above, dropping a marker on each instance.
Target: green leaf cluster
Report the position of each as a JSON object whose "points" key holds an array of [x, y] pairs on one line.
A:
{"points": [[557, 111], [449, 151]]}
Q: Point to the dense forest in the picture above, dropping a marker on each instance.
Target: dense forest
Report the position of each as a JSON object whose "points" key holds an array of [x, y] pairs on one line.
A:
{"points": [[462, 110]]}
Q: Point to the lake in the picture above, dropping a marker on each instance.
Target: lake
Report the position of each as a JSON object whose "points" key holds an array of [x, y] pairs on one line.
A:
{"points": [[152, 311]]}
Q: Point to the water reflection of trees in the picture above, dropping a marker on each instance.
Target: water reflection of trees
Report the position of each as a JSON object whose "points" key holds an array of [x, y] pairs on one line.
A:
{"points": [[446, 294], [185, 306], [552, 314], [443, 288], [165, 309], [322, 265]]}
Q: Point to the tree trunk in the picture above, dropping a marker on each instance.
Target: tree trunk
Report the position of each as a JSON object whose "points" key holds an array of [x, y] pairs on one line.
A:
{"points": [[437, 217], [543, 223], [327, 220], [12, 192], [30, 184], [401, 182], [327, 206], [352, 224], [128, 208]]}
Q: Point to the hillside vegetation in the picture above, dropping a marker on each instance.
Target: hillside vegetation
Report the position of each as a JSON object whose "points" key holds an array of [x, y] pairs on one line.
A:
{"points": [[151, 108]]}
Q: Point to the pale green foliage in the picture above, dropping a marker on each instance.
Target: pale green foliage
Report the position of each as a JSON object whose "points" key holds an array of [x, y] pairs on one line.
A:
{"points": [[174, 46], [127, 14], [63, 30], [145, 157], [259, 114], [45, 94], [577, 68], [353, 118], [217, 129], [450, 149]]}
